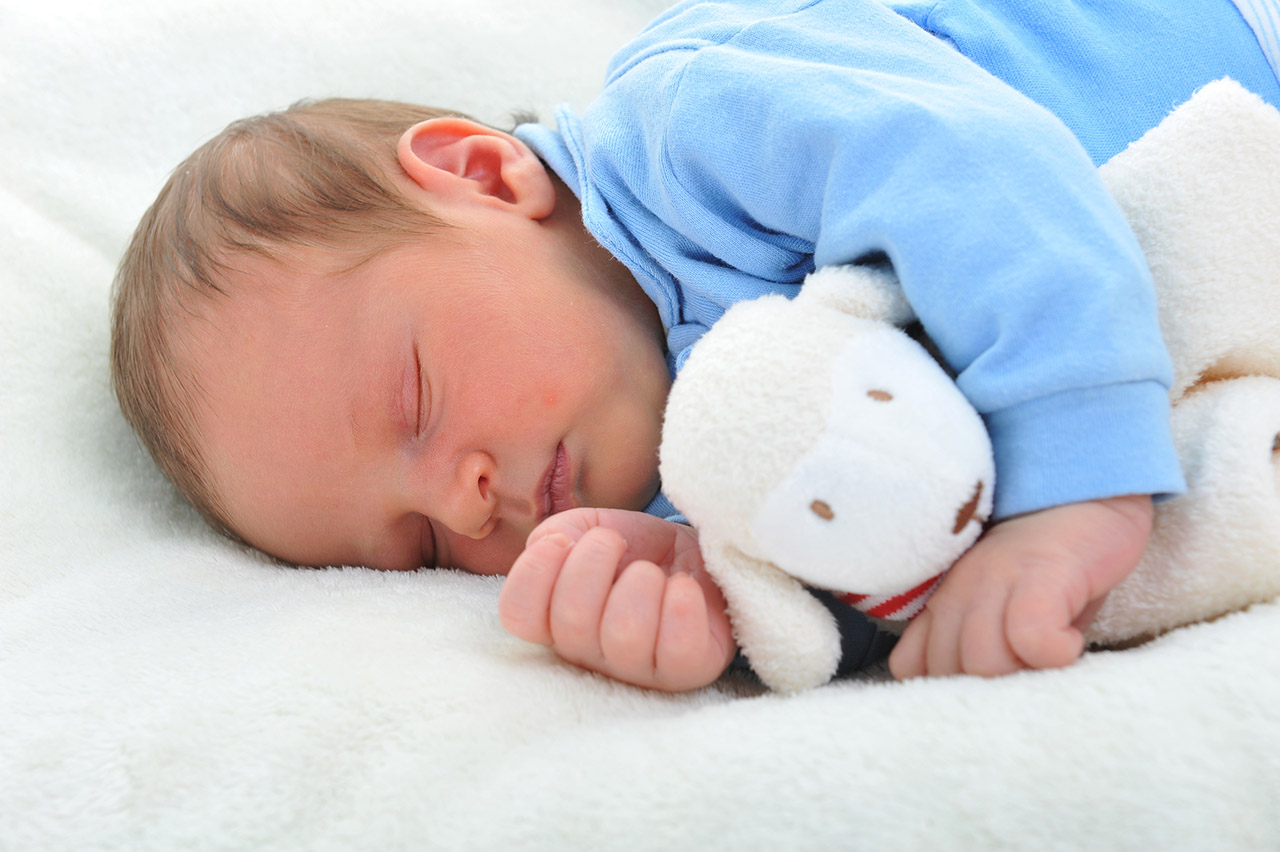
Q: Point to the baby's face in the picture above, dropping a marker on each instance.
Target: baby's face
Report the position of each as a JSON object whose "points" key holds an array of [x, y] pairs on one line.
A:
{"points": [[432, 406]]}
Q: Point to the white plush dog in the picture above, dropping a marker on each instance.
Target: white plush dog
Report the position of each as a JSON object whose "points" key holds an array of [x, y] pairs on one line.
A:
{"points": [[813, 443]]}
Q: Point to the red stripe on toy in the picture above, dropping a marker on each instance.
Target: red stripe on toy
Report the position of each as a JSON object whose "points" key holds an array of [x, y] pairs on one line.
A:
{"points": [[900, 607]]}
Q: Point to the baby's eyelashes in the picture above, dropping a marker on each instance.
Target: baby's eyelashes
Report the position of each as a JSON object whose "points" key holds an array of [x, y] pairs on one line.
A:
{"points": [[413, 397], [409, 397], [423, 400], [413, 392]]}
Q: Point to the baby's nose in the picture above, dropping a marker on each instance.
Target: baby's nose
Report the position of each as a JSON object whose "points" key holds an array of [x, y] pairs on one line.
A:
{"points": [[469, 504]]}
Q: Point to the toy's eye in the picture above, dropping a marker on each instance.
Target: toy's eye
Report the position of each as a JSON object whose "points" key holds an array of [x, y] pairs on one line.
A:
{"points": [[880, 395], [822, 510]]}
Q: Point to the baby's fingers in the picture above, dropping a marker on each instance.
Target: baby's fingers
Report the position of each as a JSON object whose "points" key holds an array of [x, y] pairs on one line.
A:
{"points": [[984, 648], [908, 657], [1040, 619], [524, 604], [629, 628], [581, 590], [687, 654]]}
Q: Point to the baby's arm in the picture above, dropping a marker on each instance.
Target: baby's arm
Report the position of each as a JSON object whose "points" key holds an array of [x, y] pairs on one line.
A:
{"points": [[623, 594], [1021, 597]]}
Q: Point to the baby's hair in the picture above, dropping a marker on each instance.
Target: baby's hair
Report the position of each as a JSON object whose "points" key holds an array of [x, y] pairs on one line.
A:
{"points": [[319, 174]]}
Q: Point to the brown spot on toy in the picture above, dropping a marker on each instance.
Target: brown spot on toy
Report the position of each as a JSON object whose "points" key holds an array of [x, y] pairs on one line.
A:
{"points": [[879, 395], [965, 515], [1275, 445], [822, 510]]}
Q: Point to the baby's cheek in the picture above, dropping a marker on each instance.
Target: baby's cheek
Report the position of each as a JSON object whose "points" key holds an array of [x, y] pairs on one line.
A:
{"points": [[620, 468], [494, 554], [520, 408]]}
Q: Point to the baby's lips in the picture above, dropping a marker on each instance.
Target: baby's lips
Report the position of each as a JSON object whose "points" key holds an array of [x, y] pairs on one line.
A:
{"points": [[561, 483]]}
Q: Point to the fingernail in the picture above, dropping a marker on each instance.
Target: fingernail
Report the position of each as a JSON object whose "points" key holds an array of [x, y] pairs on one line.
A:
{"points": [[559, 540]]}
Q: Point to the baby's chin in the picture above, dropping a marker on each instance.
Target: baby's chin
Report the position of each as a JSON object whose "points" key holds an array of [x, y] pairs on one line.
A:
{"points": [[641, 497]]}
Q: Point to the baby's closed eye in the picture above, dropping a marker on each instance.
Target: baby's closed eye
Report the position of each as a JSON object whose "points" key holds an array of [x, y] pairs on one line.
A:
{"points": [[417, 408]]}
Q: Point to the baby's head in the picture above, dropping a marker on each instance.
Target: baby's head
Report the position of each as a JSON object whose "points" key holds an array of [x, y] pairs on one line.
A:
{"points": [[361, 332]]}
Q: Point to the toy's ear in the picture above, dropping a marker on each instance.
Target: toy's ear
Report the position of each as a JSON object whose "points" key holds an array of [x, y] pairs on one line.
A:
{"points": [[791, 640], [867, 291]]}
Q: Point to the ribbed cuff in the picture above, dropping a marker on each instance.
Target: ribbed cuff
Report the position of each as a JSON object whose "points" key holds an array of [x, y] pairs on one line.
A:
{"points": [[1084, 445]]}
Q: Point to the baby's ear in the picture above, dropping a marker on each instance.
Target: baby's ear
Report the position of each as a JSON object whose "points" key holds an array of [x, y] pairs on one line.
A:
{"points": [[460, 160]]}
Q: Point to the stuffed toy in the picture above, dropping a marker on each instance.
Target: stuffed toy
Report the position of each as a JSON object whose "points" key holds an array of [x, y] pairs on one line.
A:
{"points": [[814, 444]]}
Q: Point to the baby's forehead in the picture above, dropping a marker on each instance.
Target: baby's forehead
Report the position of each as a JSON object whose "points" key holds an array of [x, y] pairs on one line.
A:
{"points": [[291, 285], [202, 323], [285, 275], [263, 298]]}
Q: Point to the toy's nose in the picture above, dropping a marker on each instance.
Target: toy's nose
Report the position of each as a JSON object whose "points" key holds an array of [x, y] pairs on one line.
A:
{"points": [[822, 509], [965, 515]]}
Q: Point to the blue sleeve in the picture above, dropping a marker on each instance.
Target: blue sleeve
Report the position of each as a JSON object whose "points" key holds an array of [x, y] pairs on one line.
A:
{"points": [[841, 130]]}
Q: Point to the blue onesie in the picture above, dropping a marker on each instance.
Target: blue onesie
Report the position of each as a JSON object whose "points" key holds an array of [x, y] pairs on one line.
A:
{"points": [[737, 145]]}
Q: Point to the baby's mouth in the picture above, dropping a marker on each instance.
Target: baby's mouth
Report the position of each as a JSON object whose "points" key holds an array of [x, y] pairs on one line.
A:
{"points": [[557, 486]]}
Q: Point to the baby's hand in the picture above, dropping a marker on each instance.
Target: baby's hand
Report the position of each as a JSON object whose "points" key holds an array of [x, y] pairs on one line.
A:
{"points": [[1022, 596], [620, 593]]}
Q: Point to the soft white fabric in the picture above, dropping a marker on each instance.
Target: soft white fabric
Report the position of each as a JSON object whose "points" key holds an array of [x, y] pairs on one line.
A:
{"points": [[161, 689]]}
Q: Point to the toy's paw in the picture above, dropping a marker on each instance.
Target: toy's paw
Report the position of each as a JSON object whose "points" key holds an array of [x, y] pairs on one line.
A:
{"points": [[898, 485], [1216, 548]]}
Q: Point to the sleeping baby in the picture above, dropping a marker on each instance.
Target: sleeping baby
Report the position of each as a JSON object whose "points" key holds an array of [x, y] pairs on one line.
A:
{"points": [[371, 333]]}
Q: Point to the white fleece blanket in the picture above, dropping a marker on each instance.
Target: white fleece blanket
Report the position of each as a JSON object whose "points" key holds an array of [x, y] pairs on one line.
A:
{"points": [[163, 689]]}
